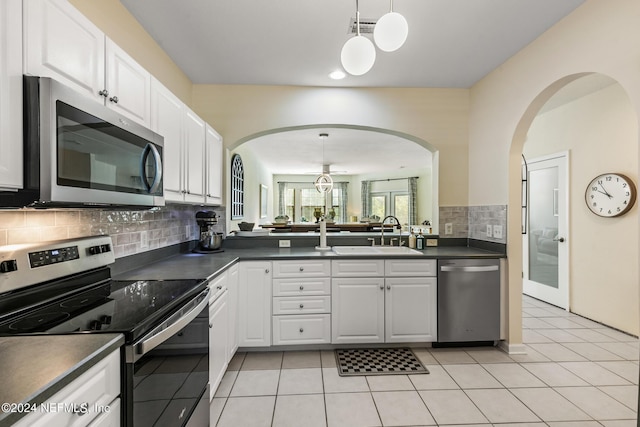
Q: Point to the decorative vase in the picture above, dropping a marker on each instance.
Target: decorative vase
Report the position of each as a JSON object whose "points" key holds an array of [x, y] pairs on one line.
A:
{"points": [[317, 213]]}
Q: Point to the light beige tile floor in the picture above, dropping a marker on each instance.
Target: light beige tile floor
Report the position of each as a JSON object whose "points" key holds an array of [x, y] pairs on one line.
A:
{"points": [[576, 373]]}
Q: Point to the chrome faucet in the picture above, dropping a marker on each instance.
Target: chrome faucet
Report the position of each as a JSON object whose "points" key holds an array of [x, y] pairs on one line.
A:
{"points": [[400, 242]]}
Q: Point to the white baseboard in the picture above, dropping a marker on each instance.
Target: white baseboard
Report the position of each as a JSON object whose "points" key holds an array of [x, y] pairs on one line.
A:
{"points": [[512, 348]]}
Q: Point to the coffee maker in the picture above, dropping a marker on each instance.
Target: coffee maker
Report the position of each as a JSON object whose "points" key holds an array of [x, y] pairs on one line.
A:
{"points": [[210, 241]]}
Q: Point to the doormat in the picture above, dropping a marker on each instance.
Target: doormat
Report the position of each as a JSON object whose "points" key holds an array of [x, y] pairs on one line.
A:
{"points": [[378, 361]]}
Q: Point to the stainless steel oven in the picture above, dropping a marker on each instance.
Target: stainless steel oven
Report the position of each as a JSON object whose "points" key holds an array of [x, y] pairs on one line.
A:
{"points": [[78, 152], [65, 287]]}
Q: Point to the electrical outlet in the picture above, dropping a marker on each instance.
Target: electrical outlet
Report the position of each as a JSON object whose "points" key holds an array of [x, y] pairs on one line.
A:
{"points": [[448, 228], [489, 230], [144, 240], [187, 232], [497, 231], [284, 243]]}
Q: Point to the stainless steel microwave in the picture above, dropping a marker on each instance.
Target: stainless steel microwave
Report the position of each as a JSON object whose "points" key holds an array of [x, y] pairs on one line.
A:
{"points": [[80, 153]]}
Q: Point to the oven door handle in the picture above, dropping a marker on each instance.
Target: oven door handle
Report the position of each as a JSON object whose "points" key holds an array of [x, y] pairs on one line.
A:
{"points": [[176, 322]]}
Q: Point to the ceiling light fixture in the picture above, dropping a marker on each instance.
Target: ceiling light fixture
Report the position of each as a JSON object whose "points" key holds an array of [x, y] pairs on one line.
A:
{"points": [[358, 53], [324, 182], [337, 75], [390, 31]]}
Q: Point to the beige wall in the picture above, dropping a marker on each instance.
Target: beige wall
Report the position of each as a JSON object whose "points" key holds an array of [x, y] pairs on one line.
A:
{"points": [[601, 133], [121, 27], [438, 116], [599, 36]]}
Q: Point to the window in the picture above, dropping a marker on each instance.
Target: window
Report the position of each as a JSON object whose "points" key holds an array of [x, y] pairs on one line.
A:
{"points": [[394, 203], [302, 199], [237, 187]]}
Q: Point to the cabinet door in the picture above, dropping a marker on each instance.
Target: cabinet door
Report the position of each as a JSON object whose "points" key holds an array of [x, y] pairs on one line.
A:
{"points": [[213, 167], [254, 306], [357, 310], [129, 85], [232, 302], [60, 42], [218, 330], [167, 113], [410, 309], [194, 139], [11, 94]]}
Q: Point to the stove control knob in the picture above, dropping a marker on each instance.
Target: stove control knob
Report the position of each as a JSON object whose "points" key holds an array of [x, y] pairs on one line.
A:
{"points": [[105, 320], [95, 250], [95, 325], [8, 266]]}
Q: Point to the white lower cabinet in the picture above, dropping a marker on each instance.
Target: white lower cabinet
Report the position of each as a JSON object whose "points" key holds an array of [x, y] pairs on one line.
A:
{"points": [[218, 339], [254, 303], [99, 387], [377, 309], [232, 302]]}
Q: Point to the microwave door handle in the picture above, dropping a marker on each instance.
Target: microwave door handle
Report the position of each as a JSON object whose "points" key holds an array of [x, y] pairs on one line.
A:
{"points": [[151, 149]]}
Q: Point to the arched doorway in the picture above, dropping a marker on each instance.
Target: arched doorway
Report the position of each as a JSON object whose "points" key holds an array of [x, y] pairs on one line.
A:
{"points": [[591, 117]]}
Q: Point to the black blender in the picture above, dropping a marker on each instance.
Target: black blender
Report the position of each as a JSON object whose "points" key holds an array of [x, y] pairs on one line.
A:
{"points": [[210, 241]]}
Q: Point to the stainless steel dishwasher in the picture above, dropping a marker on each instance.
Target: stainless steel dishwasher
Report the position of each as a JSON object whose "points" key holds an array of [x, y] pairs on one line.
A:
{"points": [[468, 300]]}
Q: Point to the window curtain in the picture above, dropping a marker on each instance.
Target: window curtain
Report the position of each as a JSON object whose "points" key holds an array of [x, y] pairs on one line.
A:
{"points": [[366, 198], [344, 200], [282, 192], [413, 200]]}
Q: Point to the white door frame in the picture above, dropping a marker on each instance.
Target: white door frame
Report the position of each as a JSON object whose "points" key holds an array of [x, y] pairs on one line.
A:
{"points": [[559, 296]]}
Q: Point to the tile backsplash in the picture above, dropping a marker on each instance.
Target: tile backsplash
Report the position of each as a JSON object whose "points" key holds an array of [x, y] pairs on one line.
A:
{"points": [[472, 221], [132, 231]]}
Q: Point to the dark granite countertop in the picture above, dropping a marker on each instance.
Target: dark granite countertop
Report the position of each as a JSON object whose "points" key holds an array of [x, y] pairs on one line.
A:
{"points": [[201, 266], [34, 368]]}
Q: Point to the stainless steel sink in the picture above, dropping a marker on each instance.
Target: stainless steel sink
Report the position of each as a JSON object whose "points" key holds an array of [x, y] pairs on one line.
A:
{"points": [[374, 250]]}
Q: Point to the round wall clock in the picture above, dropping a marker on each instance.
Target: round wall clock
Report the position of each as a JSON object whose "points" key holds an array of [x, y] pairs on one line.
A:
{"points": [[610, 195]]}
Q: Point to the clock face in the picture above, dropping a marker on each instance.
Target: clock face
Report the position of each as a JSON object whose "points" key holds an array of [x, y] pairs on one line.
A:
{"points": [[610, 195]]}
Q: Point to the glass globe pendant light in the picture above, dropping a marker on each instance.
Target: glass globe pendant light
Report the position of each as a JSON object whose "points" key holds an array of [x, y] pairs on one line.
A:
{"points": [[324, 182], [390, 32], [358, 53]]}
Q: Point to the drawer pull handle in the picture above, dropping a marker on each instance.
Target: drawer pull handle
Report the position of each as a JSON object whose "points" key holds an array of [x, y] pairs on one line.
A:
{"points": [[301, 268], [301, 305], [267, 271], [301, 330], [81, 409], [301, 288]]}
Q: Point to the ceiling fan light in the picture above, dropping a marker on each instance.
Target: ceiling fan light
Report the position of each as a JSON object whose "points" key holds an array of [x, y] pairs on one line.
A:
{"points": [[390, 32], [324, 183], [358, 55]]}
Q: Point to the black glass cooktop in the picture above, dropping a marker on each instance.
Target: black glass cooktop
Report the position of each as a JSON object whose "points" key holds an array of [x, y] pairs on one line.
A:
{"points": [[129, 307]]}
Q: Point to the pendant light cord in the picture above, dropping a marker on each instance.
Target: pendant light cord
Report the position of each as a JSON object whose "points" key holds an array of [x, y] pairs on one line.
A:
{"points": [[357, 19]]}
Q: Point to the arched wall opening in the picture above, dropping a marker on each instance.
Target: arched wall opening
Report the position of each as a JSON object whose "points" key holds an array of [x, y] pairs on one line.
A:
{"points": [[597, 290]]}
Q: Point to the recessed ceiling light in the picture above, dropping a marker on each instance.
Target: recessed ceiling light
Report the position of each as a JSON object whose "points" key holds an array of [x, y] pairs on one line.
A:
{"points": [[337, 75]]}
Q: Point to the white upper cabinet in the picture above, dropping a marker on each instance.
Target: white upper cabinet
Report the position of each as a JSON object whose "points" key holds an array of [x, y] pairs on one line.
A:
{"points": [[167, 113], [11, 94], [129, 85], [194, 141], [213, 167], [60, 42]]}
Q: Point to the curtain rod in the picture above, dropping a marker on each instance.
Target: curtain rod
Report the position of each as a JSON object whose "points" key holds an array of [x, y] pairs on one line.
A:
{"points": [[308, 182], [390, 179]]}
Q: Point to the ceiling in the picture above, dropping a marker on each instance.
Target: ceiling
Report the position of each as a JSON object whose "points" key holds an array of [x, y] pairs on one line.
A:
{"points": [[451, 43], [347, 151]]}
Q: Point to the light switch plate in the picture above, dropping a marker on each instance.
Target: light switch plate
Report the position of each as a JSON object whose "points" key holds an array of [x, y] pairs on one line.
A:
{"points": [[187, 231], [448, 228], [144, 240], [489, 230], [497, 231], [284, 243]]}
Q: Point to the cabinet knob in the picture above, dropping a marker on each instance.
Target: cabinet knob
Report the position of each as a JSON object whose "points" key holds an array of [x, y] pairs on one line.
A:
{"points": [[80, 409], [104, 93], [382, 287], [301, 305], [301, 330], [210, 325], [301, 288], [301, 268], [388, 286], [267, 271], [114, 99]]}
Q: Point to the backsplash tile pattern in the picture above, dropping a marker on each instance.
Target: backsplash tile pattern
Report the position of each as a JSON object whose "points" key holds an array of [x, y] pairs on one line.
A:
{"points": [[471, 221], [132, 231]]}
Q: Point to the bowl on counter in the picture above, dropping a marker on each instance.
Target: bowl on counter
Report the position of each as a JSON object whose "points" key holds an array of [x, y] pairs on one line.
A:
{"points": [[246, 226]]}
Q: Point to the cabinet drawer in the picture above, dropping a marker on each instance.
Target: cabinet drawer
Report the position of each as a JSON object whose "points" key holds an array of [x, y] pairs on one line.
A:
{"points": [[301, 305], [301, 268], [100, 385], [358, 268], [302, 329], [302, 286], [411, 267]]}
